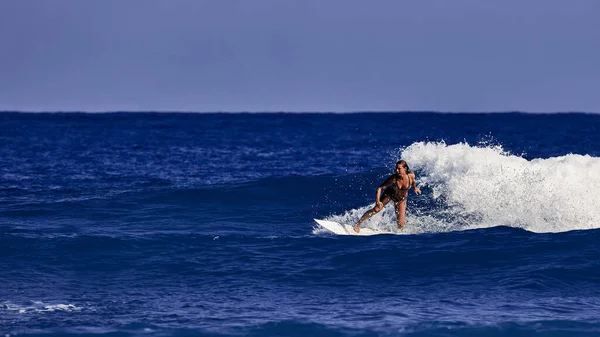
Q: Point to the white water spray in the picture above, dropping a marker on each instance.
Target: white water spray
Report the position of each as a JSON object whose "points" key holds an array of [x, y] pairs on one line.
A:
{"points": [[484, 186]]}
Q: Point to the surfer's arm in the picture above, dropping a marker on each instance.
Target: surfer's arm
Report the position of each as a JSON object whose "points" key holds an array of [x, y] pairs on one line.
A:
{"points": [[377, 201], [387, 183], [414, 184]]}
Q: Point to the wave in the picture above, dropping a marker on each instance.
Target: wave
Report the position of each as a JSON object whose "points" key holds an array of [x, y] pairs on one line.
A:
{"points": [[483, 186], [464, 187]]}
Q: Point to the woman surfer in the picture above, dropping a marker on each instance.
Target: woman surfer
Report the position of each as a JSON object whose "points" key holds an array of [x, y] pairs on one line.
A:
{"points": [[395, 188]]}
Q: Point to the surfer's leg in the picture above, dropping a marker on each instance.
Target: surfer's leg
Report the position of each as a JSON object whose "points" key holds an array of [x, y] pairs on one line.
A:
{"points": [[368, 214], [400, 208]]}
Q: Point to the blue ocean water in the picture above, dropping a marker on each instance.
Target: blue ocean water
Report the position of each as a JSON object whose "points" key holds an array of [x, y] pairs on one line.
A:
{"points": [[143, 224]]}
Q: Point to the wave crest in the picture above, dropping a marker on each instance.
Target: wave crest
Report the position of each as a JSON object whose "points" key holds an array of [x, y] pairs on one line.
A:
{"points": [[483, 186]]}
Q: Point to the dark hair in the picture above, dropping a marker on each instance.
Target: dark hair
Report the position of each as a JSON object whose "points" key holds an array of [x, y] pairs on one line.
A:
{"points": [[403, 163]]}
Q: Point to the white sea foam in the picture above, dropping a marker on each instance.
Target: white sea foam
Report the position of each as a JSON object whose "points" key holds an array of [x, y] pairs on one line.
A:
{"points": [[484, 186], [38, 306], [385, 221]]}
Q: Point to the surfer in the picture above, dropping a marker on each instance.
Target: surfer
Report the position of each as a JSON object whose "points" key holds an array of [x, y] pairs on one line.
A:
{"points": [[395, 188]]}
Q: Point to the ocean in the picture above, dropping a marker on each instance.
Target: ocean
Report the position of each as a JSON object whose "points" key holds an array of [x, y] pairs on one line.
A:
{"points": [[177, 224]]}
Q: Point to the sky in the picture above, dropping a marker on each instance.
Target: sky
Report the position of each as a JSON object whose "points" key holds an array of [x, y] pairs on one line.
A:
{"points": [[300, 55]]}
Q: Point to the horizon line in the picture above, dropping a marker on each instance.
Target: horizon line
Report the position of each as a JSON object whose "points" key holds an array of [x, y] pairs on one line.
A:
{"points": [[293, 112]]}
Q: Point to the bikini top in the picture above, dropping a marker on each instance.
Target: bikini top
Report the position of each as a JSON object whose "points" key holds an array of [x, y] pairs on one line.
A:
{"points": [[401, 188], [393, 182]]}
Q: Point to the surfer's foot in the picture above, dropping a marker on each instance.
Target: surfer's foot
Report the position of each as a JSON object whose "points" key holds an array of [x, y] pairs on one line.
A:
{"points": [[401, 227], [356, 228]]}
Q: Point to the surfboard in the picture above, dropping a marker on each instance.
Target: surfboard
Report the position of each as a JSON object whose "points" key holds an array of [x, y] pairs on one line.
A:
{"points": [[341, 229]]}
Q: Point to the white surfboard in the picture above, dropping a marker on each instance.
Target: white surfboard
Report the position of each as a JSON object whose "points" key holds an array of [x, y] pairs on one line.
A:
{"points": [[340, 229]]}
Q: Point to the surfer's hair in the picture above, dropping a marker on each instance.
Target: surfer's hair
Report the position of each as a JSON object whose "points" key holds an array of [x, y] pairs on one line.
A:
{"points": [[403, 163]]}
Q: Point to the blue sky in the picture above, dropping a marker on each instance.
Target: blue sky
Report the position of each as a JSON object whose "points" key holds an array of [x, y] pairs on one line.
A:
{"points": [[303, 55]]}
